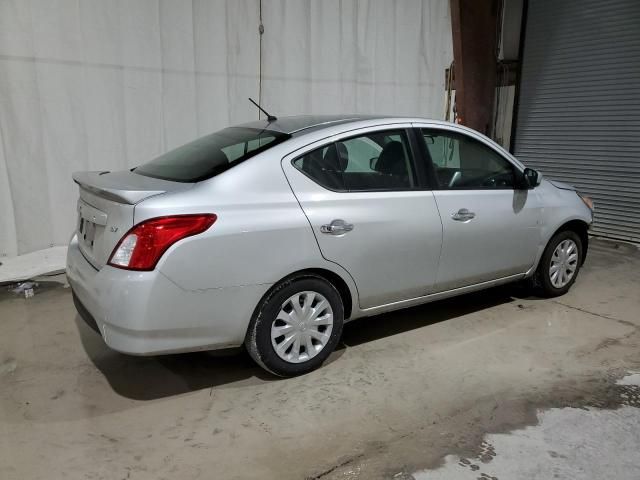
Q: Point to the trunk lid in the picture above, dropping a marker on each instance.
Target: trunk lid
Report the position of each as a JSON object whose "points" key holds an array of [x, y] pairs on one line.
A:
{"points": [[106, 207]]}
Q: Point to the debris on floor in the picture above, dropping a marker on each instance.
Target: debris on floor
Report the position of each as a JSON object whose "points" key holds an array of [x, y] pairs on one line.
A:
{"points": [[25, 288], [31, 265]]}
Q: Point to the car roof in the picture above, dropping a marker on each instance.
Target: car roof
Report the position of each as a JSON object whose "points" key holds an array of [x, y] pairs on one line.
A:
{"points": [[297, 124], [313, 126]]}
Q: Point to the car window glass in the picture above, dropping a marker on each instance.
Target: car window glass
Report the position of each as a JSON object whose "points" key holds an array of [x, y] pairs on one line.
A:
{"points": [[372, 162], [322, 166], [443, 150], [360, 151], [208, 156], [461, 162], [377, 161], [234, 152], [237, 150], [259, 142]]}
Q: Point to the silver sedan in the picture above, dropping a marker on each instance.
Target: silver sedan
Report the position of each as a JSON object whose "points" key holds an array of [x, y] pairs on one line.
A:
{"points": [[272, 234]]}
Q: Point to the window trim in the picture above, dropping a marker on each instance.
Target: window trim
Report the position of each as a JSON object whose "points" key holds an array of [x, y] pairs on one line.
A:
{"points": [[426, 165], [419, 184], [429, 166]]}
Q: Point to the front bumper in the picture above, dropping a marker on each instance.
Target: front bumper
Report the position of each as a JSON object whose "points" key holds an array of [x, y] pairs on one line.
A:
{"points": [[145, 313]]}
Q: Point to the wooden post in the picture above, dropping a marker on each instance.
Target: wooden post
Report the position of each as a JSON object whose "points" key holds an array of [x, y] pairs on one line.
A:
{"points": [[474, 27]]}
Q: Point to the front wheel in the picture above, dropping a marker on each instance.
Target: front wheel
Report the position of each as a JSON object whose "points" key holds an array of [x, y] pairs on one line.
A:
{"points": [[560, 264], [296, 327]]}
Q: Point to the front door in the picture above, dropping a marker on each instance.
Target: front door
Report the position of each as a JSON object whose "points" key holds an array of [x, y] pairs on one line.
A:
{"points": [[490, 227], [368, 212]]}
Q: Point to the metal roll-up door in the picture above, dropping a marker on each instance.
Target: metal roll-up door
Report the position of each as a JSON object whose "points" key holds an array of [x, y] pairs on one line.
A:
{"points": [[579, 104]]}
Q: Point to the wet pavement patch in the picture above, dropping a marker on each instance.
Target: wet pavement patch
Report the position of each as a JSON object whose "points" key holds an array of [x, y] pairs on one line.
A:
{"points": [[597, 437]]}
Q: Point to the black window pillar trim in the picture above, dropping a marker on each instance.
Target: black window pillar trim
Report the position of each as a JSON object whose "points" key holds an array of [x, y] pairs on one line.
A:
{"points": [[423, 159]]}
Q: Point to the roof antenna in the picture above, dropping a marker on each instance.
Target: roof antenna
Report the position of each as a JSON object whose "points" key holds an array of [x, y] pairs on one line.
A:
{"points": [[270, 118]]}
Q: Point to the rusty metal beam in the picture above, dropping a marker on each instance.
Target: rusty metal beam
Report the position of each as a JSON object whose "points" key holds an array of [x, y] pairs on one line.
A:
{"points": [[474, 25]]}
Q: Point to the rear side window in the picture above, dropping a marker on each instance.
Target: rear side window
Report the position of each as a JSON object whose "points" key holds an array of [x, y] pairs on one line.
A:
{"points": [[378, 161], [208, 156]]}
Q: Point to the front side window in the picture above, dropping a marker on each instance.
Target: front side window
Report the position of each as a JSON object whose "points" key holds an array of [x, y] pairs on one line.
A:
{"points": [[208, 156], [372, 162], [461, 162]]}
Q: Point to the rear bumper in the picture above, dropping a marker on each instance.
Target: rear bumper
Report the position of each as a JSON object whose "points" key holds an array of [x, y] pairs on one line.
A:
{"points": [[84, 313], [145, 313]]}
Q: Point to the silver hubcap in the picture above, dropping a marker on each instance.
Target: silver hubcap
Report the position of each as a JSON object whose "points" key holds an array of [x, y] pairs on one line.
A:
{"points": [[302, 328], [564, 263]]}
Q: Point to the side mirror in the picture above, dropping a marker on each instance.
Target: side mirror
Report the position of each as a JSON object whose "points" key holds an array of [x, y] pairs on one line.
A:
{"points": [[530, 178]]}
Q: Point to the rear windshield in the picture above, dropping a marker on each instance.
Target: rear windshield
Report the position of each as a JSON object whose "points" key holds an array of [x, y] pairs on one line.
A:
{"points": [[208, 156]]}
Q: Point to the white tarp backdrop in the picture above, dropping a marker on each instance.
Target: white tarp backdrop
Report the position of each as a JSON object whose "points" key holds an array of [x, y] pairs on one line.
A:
{"points": [[108, 84]]}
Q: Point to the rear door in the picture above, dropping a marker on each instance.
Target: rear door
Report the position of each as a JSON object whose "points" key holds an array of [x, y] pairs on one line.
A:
{"points": [[491, 228], [369, 211]]}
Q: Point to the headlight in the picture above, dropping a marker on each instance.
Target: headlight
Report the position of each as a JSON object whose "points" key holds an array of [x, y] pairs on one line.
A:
{"points": [[587, 201]]}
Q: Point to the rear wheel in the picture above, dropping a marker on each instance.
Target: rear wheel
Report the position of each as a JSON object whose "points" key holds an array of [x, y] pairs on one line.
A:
{"points": [[296, 327], [560, 264]]}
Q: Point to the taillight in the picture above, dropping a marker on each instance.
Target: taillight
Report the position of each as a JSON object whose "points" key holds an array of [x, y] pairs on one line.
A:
{"points": [[144, 244]]}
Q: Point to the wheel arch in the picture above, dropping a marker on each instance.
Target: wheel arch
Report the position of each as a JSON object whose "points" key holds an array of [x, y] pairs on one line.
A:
{"points": [[338, 282], [581, 228], [333, 278]]}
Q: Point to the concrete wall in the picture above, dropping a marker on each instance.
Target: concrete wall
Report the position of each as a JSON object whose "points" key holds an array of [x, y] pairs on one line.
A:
{"points": [[99, 84]]}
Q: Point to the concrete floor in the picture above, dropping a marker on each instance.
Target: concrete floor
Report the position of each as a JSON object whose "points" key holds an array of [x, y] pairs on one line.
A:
{"points": [[412, 394]]}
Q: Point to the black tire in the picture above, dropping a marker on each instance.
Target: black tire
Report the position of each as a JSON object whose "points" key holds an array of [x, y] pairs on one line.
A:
{"points": [[542, 278], [258, 339]]}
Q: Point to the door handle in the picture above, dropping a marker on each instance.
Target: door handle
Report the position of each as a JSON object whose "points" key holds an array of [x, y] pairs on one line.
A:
{"points": [[463, 215], [336, 227]]}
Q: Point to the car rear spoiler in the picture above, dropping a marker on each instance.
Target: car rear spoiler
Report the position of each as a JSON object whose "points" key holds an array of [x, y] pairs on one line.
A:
{"points": [[120, 187]]}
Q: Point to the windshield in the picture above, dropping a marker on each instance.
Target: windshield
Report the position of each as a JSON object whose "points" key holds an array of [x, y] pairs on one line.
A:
{"points": [[208, 156]]}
